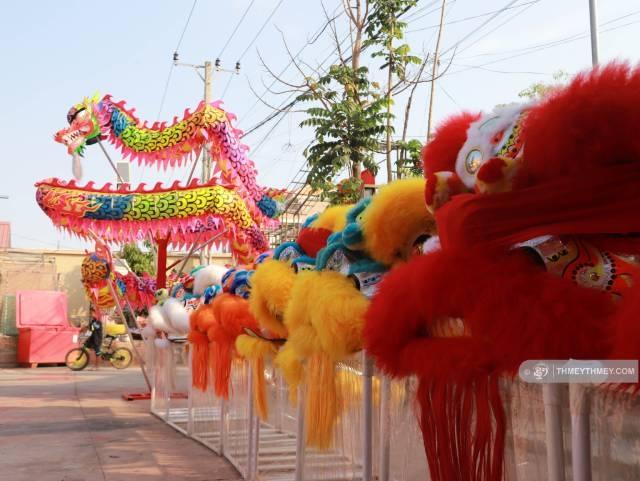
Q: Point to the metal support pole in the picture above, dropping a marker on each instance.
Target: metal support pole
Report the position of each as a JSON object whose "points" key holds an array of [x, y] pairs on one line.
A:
{"points": [[126, 326], [580, 402], [250, 454], [113, 166], [223, 418], [367, 410], [593, 23], [190, 395], [300, 435], [385, 428], [552, 396]]}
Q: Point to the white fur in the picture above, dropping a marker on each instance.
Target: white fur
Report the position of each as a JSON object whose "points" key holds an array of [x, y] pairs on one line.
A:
{"points": [[148, 332], [158, 320], [479, 136], [176, 315], [207, 276]]}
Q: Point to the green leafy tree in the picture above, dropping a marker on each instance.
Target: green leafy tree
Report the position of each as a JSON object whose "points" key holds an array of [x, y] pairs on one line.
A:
{"points": [[384, 31], [138, 260], [349, 119], [409, 160], [540, 89]]}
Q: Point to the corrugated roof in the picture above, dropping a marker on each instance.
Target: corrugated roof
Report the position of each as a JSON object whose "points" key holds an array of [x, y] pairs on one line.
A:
{"points": [[5, 235]]}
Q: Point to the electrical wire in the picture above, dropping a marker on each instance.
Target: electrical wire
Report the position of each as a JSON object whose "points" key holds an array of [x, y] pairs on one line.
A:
{"points": [[478, 28], [255, 38], [314, 38], [567, 40], [166, 85], [552, 42], [466, 19], [168, 81], [517, 14], [236, 29], [285, 107]]}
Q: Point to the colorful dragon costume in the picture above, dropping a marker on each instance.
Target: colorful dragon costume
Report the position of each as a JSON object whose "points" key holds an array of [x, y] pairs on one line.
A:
{"points": [[209, 126], [537, 211], [182, 213]]}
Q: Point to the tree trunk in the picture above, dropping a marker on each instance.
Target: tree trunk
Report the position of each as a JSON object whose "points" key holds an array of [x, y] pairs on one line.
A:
{"points": [[389, 83], [435, 69]]}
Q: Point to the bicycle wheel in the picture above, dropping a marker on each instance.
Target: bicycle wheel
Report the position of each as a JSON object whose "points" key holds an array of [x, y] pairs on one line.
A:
{"points": [[121, 358], [77, 359]]}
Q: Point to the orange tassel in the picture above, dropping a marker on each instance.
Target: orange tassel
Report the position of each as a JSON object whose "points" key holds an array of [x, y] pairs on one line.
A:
{"points": [[232, 316], [199, 360]]}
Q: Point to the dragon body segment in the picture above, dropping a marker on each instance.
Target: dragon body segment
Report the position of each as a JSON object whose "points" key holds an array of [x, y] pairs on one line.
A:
{"points": [[209, 126], [182, 213]]}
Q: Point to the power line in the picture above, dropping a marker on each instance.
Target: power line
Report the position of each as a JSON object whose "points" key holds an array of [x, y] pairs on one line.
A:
{"points": [[556, 43], [255, 38], [163, 98], [482, 25], [285, 107], [186, 25], [466, 19], [236, 28], [314, 38], [413, 17], [273, 12], [552, 42], [168, 81], [528, 6]]}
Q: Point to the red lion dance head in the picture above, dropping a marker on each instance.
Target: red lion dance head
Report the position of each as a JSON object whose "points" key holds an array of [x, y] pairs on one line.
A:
{"points": [[537, 210]]}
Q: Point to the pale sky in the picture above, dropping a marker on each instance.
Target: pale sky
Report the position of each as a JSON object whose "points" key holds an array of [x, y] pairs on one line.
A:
{"points": [[56, 53]]}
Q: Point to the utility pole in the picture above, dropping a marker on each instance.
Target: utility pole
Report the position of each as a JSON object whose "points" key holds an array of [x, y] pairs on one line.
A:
{"points": [[206, 161], [593, 20], [208, 69], [434, 71]]}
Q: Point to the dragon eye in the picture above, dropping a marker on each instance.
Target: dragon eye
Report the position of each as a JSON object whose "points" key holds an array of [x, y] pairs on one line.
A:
{"points": [[473, 161]]}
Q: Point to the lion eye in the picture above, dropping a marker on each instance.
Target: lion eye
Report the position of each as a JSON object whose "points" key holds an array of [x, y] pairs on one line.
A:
{"points": [[473, 161]]}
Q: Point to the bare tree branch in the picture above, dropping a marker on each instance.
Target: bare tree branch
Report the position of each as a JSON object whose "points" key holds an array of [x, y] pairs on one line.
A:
{"points": [[277, 109], [407, 107], [277, 77], [334, 31], [292, 57]]}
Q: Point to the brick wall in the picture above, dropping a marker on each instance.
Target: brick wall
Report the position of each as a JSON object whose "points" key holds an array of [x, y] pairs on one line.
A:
{"points": [[8, 351]]}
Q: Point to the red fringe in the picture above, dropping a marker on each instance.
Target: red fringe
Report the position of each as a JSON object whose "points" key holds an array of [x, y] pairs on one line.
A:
{"points": [[449, 413]]}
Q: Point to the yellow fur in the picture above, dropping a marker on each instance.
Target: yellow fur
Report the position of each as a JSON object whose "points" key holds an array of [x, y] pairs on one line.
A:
{"points": [[256, 350], [325, 318], [254, 347], [396, 216], [333, 218], [271, 285], [289, 363], [323, 401]]}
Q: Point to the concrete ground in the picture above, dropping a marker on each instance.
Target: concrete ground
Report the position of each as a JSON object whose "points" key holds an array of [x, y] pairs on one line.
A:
{"points": [[57, 425]]}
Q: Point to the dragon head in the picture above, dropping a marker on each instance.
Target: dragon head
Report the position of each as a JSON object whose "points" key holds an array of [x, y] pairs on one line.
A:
{"points": [[83, 130]]}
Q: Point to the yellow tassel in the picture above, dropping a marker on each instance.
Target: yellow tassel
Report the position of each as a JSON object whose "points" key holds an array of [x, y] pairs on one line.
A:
{"points": [[292, 370], [259, 388], [323, 401], [256, 350]]}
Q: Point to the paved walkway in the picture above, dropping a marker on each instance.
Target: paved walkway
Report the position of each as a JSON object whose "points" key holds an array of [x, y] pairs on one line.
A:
{"points": [[56, 425]]}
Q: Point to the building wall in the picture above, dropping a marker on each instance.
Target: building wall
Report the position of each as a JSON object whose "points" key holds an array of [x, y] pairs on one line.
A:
{"points": [[28, 269]]}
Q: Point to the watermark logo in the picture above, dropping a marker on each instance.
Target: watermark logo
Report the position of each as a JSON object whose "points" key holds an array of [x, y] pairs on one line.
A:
{"points": [[582, 372]]}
